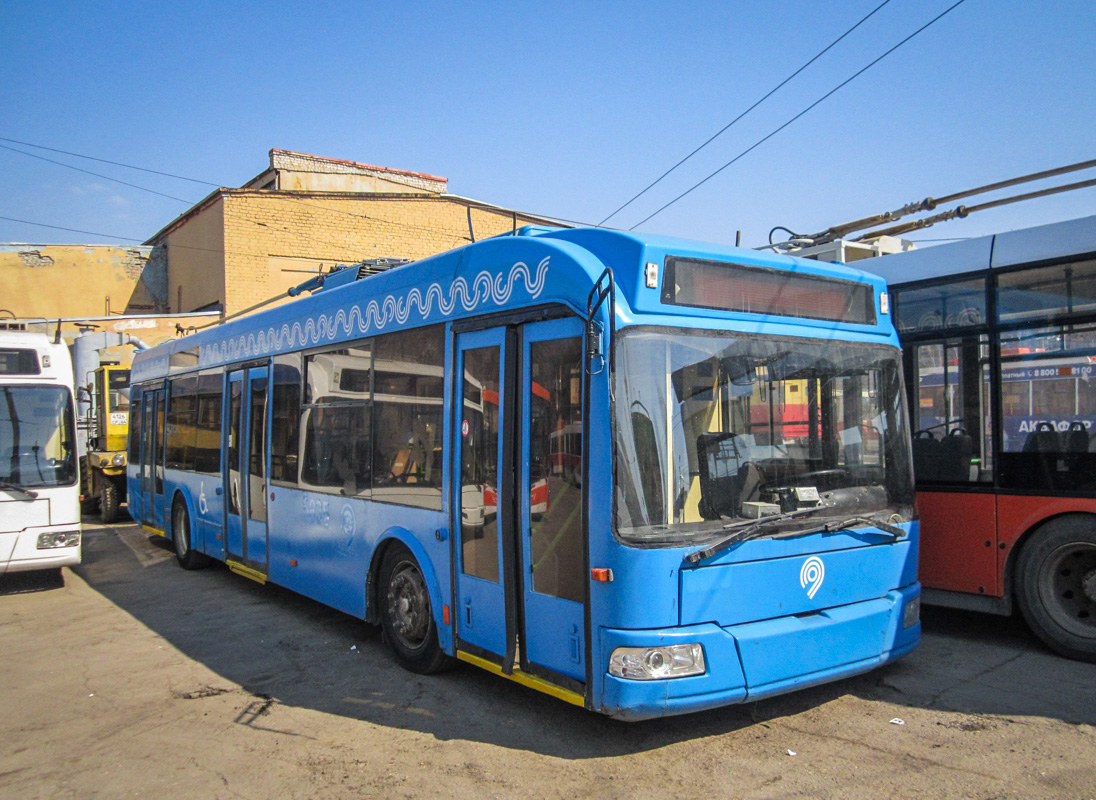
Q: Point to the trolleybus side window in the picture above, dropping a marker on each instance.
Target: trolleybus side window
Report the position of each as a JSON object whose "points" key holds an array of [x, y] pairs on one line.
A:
{"points": [[286, 423], [952, 413], [336, 452], [182, 415], [207, 448], [407, 396]]}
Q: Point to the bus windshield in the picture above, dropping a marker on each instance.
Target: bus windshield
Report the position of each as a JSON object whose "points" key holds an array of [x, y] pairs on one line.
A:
{"points": [[715, 429], [37, 437]]}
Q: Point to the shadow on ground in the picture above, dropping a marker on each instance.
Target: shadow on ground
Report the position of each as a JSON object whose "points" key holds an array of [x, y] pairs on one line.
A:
{"points": [[284, 648]]}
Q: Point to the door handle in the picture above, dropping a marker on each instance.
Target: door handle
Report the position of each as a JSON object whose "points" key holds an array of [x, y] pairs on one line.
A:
{"points": [[219, 491]]}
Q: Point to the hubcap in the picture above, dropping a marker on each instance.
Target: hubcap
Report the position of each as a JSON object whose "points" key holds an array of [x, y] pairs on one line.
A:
{"points": [[1068, 587], [1089, 584], [408, 605]]}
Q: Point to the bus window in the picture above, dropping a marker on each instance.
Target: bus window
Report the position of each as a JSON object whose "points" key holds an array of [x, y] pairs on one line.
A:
{"points": [[407, 397], [952, 419], [1048, 390], [285, 426], [337, 445]]}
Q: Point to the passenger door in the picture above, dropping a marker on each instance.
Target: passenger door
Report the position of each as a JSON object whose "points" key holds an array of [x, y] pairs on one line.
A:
{"points": [[520, 551], [152, 460], [480, 496], [554, 572], [245, 468]]}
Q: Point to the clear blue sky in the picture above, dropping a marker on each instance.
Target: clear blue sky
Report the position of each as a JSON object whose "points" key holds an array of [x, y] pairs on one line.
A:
{"points": [[565, 109]]}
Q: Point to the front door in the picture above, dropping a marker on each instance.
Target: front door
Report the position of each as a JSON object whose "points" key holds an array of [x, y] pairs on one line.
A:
{"points": [[480, 494], [245, 467], [521, 563], [152, 460], [551, 509]]}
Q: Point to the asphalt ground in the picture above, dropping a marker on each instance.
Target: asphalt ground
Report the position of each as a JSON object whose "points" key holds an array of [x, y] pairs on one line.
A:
{"points": [[129, 677]]}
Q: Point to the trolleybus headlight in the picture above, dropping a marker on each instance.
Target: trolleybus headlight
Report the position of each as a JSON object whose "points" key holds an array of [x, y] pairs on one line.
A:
{"points": [[656, 663], [119, 459], [47, 541], [911, 613]]}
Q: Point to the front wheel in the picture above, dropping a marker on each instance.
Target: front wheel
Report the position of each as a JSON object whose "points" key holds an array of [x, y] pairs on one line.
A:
{"points": [[185, 554], [406, 616], [1056, 585]]}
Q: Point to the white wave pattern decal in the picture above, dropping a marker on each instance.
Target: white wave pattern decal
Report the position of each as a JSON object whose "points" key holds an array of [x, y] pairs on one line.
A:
{"points": [[377, 315]]}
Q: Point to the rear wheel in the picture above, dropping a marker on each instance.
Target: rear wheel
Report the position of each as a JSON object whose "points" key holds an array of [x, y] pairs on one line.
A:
{"points": [[109, 500], [1056, 585], [406, 616], [185, 554]]}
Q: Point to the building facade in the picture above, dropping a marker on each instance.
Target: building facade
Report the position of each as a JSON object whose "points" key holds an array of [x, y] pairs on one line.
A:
{"points": [[303, 215]]}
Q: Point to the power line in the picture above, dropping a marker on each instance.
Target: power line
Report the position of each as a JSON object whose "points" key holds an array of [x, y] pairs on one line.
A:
{"points": [[72, 230], [96, 174], [219, 251], [800, 114], [286, 196], [720, 132], [105, 161]]}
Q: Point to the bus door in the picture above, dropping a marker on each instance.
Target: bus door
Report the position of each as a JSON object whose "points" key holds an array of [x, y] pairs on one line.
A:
{"points": [[553, 555], [245, 467], [953, 463], [481, 494], [152, 460], [520, 589]]}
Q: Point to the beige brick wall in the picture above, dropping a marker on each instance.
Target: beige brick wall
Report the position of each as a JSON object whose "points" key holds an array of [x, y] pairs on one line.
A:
{"points": [[275, 241], [52, 280], [196, 259]]}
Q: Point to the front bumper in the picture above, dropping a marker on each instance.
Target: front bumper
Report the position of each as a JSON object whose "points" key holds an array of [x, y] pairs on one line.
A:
{"points": [[755, 660]]}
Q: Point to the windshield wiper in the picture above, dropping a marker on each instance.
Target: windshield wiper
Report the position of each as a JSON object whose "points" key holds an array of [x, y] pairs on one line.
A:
{"points": [[831, 527], [15, 487], [747, 530], [755, 529]]}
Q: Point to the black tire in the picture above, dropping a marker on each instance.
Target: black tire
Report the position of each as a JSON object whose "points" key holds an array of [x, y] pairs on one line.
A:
{"points": [[109, 500], [406, 616], [187, 556], [1056, 585]]}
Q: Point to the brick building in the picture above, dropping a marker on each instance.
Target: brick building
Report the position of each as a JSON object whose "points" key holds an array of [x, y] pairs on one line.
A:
{"points": [[302, 215]]}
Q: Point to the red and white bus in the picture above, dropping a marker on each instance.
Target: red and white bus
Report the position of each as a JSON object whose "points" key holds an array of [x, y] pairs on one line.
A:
{"points": [[999, 342]]}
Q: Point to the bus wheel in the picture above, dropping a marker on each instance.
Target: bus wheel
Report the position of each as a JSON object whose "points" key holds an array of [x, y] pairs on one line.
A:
{"points": [[406, 617], [108, 501], [1056, 585], [187, 556]]}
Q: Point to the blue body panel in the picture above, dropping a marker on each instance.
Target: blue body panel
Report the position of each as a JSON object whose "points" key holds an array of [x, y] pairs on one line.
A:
{"points": [[764, 625]]}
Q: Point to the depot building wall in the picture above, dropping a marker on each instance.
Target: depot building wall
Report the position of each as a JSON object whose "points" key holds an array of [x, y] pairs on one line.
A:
{"points": [[274, 241], [55, 281]]}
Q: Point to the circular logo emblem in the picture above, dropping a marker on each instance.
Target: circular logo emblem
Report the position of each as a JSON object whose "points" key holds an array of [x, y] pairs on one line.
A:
{"points": [[348, 523], [465, 428], [811, 575]]}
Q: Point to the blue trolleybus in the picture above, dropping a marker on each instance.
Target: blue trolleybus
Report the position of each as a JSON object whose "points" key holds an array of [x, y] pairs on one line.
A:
{"points": [[643, 475]]}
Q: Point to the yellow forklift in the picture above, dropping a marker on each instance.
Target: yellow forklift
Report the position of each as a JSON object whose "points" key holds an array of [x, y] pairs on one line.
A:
{"points": [[104, 472]]}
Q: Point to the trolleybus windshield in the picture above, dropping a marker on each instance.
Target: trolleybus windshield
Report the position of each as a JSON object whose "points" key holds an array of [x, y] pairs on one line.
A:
{"points": [[712, 430], [36, 436]]}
